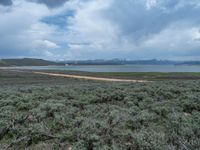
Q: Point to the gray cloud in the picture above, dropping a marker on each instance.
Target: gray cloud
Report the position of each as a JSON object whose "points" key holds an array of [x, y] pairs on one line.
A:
{"points": [[6, 2], [51, 3], [138, 22]]}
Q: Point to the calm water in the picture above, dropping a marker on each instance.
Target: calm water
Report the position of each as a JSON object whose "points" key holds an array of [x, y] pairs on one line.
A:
{"points": [[121, 68]]}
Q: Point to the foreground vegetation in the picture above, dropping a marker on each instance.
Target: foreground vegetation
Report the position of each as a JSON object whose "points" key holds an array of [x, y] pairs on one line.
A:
{"points": [[40, 112]]}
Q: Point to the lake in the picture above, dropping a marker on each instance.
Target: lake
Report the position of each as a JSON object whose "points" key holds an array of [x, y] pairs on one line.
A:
{"points": [[120, 68]]}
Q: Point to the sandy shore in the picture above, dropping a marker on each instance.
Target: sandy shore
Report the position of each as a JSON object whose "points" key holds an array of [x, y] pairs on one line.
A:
{"points": [[89, 77]]}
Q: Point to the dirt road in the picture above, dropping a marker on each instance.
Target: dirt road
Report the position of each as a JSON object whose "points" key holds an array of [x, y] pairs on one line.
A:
{"points": [[89, 77]]}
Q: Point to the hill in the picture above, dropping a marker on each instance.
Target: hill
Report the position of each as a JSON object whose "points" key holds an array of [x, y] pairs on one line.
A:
{"points": [[27, 62], [191, 63]]}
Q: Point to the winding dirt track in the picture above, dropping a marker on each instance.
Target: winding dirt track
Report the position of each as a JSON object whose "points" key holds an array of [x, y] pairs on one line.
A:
{"points": [[89, 77]]}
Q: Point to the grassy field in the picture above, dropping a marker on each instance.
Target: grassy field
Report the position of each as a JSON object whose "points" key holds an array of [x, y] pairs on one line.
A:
{"points": [[42, 112], [158, 76]]}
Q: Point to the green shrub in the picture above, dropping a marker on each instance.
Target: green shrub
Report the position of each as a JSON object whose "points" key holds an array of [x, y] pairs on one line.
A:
{"points": [[67, 113]]}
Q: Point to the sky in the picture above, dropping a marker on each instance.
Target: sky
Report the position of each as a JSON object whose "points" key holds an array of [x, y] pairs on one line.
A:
{"points": [[100, 29]]}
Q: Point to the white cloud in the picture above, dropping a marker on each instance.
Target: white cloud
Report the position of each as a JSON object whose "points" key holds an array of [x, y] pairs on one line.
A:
{"points": [[150, 4], [21, 31], [89, 25], [45, 45]]}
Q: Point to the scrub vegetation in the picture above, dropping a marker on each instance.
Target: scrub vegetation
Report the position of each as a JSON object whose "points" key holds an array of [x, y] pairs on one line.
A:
{"points": [[42, 112]]}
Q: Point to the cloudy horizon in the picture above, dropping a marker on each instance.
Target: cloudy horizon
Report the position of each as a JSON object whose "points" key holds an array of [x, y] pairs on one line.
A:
{"points": [[100, 29]]}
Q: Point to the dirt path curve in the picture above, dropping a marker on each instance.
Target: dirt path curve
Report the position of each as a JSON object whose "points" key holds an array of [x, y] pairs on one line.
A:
{"points": [[89, 77]]}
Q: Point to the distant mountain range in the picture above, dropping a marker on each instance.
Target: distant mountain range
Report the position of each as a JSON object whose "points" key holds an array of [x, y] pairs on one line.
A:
{"points": [[130, 62], [27, 62], [41, 62]]}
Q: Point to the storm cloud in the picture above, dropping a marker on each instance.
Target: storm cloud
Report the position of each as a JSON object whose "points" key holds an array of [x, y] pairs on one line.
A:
{"points": [[51, 3], [6, 2]]}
